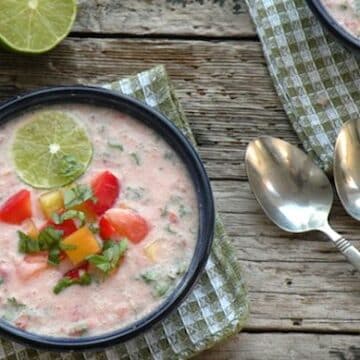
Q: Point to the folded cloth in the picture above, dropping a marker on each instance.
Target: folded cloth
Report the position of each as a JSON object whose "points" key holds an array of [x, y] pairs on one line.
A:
{"points": [[216, 308], [316, 78]]}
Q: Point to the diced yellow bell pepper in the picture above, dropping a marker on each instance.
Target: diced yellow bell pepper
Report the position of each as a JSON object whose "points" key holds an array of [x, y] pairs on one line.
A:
{"points": [[84, 243], [151, 250], [51, 202], [31, 229]]}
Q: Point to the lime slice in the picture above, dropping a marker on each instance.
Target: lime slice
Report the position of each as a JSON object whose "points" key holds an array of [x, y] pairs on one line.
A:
{"points": [[51, 150], [35, 26]]}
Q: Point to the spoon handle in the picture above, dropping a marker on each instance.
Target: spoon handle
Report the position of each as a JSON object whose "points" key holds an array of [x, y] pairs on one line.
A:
{"points": [[351, 253]]}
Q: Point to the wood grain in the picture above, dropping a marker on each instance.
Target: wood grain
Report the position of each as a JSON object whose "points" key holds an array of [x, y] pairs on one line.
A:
{"points": [[286, 347], [224, 87], [211, 18]]}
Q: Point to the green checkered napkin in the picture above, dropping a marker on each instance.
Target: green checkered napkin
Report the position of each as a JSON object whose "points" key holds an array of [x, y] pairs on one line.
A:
{"points": [[317, 79], [218, 305]]}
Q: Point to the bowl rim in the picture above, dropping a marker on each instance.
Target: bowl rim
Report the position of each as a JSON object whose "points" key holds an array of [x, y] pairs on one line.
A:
{"points": [[179, 143], [333, 25]]}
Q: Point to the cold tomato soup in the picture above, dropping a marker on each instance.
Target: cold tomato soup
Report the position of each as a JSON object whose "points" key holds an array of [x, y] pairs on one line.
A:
{"points": [[346, 13], [98, 220]]}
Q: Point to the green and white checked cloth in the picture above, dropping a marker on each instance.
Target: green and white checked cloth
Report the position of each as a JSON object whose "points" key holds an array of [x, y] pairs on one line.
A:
{"points": [[217, 307], [317, 79]]}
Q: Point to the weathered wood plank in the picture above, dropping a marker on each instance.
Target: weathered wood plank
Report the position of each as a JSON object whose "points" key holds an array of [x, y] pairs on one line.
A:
{"points": [[165, 17], [224, 87], [286, 346], [296, 282]]}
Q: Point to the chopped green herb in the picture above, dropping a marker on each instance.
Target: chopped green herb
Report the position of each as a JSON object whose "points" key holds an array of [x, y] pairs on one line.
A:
{"points": [[12, 309], [115, 145], [94, 228], [1, 280], [160, 284], [47, 240], [169, 229], [27, 244], [14, 303], [134, 193], [161, 288], [68, 166], [149, 276], [183, 211], [136, 158], [110, 257], [66, 282], [67, 215], [77, 195]]}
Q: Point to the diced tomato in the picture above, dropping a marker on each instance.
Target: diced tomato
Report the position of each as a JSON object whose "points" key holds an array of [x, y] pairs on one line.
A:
{"points": [[17, 208], [173, 218], [76, 272], [128, 224], [106, 188], [106, 229], [67, 227]]}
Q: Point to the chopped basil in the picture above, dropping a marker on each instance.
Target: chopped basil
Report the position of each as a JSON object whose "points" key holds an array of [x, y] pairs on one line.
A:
{"points": [[67, 215], [12, 309], [161, 288], [115, 145], [136, 158], [110, 257], [14, 303], [65, 282], [161, 281], [77, 195], [47, 240], [69, 166], [27, 244], [134, 193], [149, 276], [169, 229], [183, 211], [94, 228]]}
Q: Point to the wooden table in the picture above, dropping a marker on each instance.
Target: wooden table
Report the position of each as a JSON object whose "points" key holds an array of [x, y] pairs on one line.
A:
{"points": [[304, 297]]}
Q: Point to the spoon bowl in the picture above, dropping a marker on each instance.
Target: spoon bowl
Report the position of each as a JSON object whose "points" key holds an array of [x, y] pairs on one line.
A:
{"points": [[293, 191], [347, 167]]}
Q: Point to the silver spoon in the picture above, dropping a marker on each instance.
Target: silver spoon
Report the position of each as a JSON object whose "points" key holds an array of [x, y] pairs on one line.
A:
{"points": [[294, 193], [347, 167]]}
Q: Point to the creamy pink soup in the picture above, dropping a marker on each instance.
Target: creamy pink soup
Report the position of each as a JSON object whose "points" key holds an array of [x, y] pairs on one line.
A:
{"points": [[154, 182], [346, 13]]}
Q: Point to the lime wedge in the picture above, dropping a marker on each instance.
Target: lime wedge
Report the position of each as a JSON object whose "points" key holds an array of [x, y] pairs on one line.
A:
{"points": [[51, 150], [35, 26]]}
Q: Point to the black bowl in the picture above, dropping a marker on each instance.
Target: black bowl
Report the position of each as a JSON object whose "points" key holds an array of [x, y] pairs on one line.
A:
{"points": [[349, 40], [158, 122]]}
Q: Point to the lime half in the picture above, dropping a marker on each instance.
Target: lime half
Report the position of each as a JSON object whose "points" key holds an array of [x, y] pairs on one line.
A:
{"points": [[51, 150], [35, 26]]}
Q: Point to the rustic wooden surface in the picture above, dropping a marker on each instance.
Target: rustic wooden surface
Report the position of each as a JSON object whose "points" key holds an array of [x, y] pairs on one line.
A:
{"points": [[304, 296]]}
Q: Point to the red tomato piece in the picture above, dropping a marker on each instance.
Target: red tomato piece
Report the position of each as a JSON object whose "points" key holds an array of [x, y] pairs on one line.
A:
{"points": [[128, 223], [173, 218], [77, 272], [67, 227], [106, 229], [17, 208], [106, 188]]}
